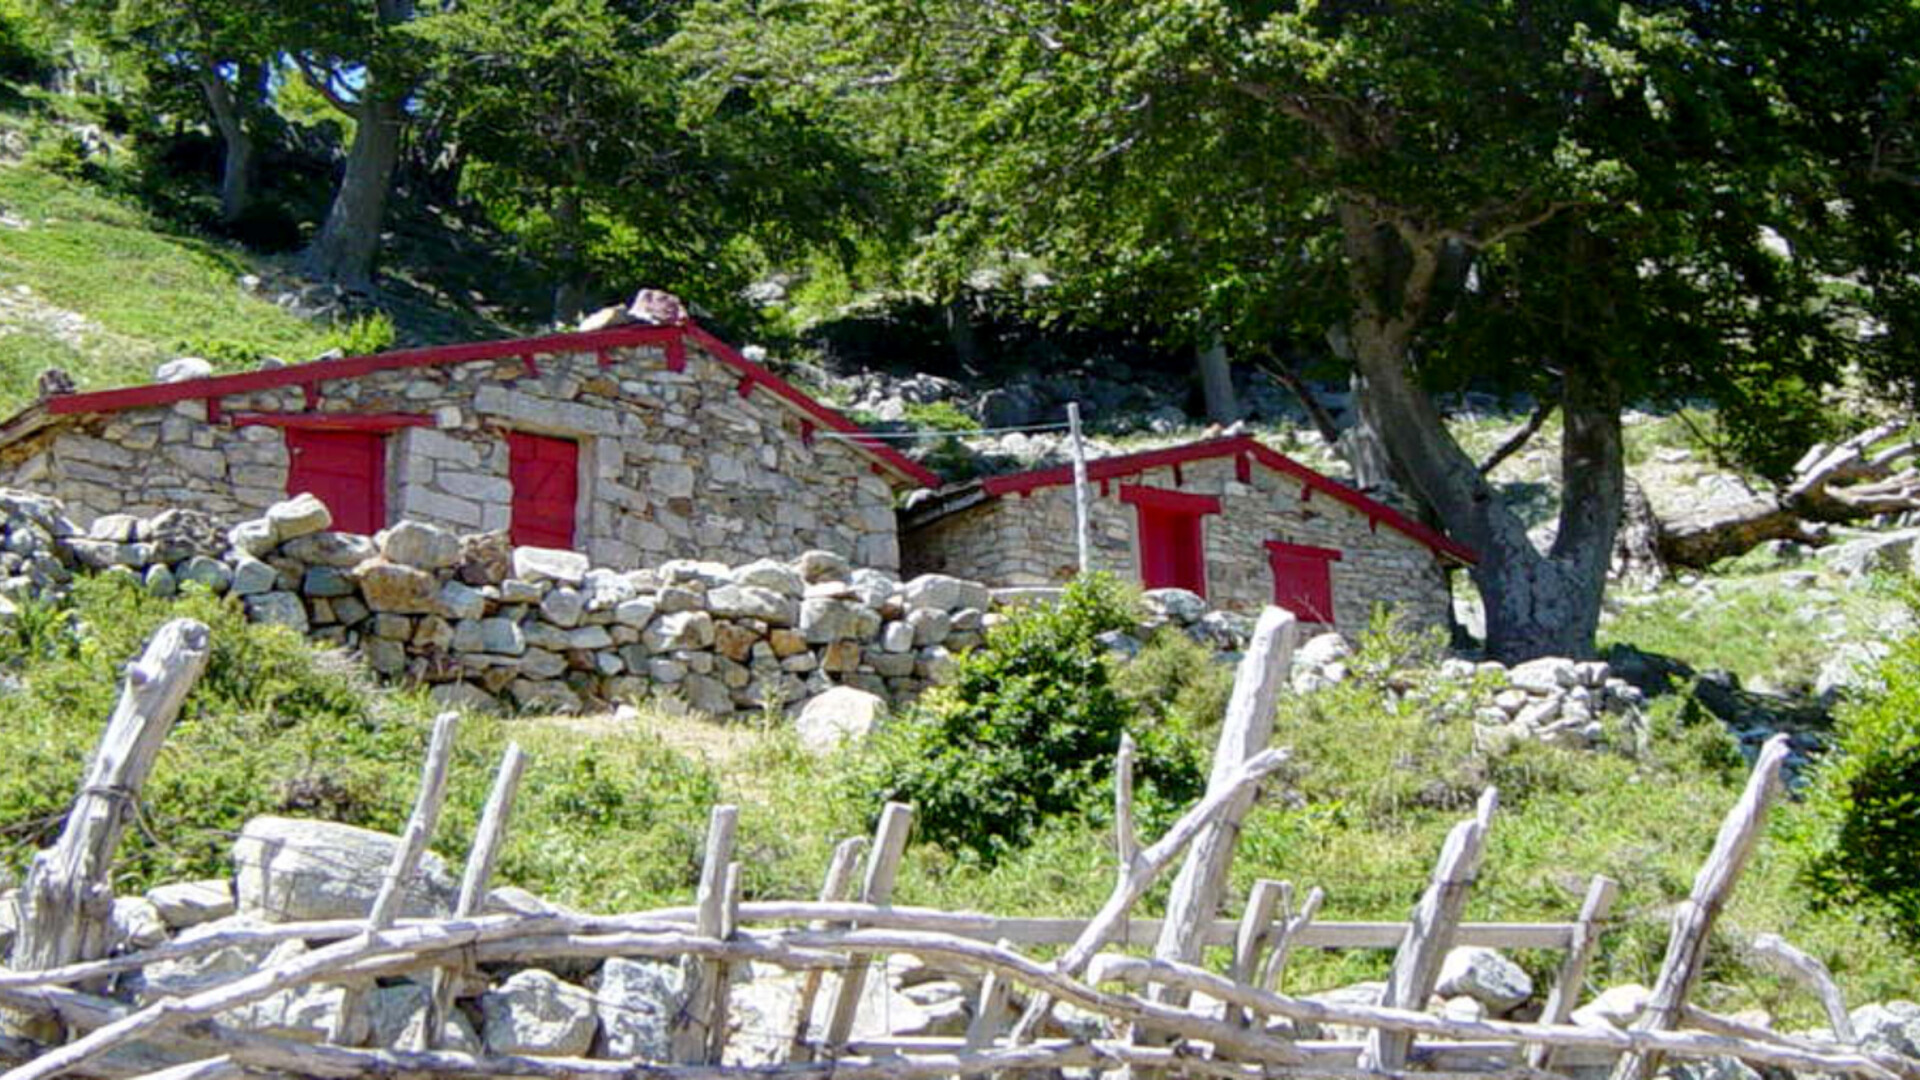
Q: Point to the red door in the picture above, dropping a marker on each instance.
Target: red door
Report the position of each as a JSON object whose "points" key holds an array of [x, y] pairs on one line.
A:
{"points": [[1172, 553], [347, 470], [545, 473], [1303, 579]]}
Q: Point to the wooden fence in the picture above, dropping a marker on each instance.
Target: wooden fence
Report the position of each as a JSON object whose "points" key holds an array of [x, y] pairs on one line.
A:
{"points": [[1159, 1008]]}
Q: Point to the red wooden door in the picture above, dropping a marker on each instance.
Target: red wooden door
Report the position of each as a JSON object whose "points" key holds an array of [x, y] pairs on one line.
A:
{"points": [[545, 473], [347, 470], [1172, 552], [1303, 579]]}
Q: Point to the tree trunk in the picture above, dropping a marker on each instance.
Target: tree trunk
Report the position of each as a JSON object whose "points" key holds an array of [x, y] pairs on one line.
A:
{"points": [[349, 241], [1537, 604], [1216, 382], [236, 172]]}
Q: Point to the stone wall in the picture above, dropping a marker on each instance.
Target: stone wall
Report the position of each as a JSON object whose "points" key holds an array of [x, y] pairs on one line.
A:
{"points": [[1029, 540], [486, 624], [673, 464]]}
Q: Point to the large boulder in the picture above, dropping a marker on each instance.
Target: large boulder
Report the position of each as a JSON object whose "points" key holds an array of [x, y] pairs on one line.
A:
{"points": [[942, 592], [1180, 605], [768, 574], [294, 870], [533, 1012], [753, 602], [839, 715]]}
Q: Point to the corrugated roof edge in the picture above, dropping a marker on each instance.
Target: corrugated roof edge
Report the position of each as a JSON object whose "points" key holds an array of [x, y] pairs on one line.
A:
{"points": [[673, 338], [1108, 468]]}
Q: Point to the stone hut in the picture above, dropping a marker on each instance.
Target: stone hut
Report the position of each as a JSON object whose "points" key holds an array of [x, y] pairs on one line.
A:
{"points": [[633, 444], [1230, 519]]}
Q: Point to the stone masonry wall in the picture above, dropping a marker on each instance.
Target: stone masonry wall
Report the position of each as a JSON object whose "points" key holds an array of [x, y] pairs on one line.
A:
{"points": [[673, 464], [1029, 540]]}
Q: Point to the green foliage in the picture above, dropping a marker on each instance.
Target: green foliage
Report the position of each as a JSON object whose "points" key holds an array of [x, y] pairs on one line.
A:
{"points": [[940, 416], [1764, 425], [1026, 732], [24, 56], [60, 152], [276, 726], [1176, 683], [1865, 800], [364, 334]]}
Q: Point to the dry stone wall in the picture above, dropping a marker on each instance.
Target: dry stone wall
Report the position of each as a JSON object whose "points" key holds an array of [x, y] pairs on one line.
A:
{"points": [[1029, 540], [673, 464], [486, 624]]}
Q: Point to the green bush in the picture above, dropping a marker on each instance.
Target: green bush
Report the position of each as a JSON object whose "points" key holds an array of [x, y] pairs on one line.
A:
{"points": [[1026, 732], [1864, 802], [364, 334]]}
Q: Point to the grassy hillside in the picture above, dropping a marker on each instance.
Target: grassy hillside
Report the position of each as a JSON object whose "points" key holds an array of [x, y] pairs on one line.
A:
{"points": [[612, 815]]}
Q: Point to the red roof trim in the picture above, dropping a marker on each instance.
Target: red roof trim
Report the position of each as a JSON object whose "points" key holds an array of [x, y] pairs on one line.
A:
{"points": [[1133, 464], [672, 338], [1179, 502], [334, 421]]}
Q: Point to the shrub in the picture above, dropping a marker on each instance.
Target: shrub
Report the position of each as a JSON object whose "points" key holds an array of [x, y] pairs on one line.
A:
{"points": [[364, 334], [1026, 732], [1864, 801]]}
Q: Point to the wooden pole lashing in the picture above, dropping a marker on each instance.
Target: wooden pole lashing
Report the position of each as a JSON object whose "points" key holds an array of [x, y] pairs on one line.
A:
{"points": [[66, 902]]}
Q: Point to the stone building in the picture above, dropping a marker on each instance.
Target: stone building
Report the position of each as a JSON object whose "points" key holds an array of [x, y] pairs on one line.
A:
{"points": [[633, 444], [1231, 519]]}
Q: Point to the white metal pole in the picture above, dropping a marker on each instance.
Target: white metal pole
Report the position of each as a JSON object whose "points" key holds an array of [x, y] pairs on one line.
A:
{"points": [[1079, 487]]}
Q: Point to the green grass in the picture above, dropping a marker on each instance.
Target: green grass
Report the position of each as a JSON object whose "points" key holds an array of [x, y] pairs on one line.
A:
{"points": [[152, 294], [614, 819]]}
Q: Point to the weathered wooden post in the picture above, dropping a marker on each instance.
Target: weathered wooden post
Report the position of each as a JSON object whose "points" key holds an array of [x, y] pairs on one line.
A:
{"points": [[1245, 733], [1693, 919], [67, 900]]}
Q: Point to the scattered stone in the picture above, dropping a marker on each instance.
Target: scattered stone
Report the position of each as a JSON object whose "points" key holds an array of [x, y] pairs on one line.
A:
{"points": [[535, 1013], [636, 1001], [391, 587], [190, 903], [1180, 605], [420, 545], [297, 517], [1485, 976], [549, 564]]}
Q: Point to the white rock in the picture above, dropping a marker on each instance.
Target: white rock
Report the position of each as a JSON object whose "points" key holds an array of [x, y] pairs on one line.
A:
{"points": [[839, 715], [1321, 650], [636, 1001], [298, 516], [1890, 1026], [943, 592], [1181, 605], [418, 544], [1485, 976], [1547, 675], [535, 1013], [549, 564], [183, 369], [190, 903], [768, 574], [1616, 1006]]}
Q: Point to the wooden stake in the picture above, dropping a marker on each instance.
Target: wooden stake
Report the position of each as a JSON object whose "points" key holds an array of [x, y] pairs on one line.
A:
{"points": [[1573, 966], [474, 879], [1430, 932], [1125, 843], [846, 856], [1290, 933], [1693, 919], [66, 902], [693, 1027], [1256, 924], [1246, 732], [883, 862], [406, 859]]}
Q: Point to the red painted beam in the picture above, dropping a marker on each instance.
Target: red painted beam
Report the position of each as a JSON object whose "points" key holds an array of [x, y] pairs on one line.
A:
{"points": [[1277, 547], [1161, 499], [333, 421], [349, 367]]}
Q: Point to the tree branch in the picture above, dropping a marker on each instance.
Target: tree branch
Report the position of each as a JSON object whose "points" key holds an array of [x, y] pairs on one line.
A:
{"points": [[322, 83], [1519, 438]]}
